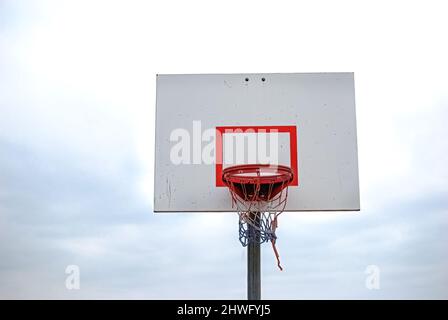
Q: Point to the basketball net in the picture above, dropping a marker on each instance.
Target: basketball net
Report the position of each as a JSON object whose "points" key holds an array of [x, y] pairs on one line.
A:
{"points": [[259, 201]]}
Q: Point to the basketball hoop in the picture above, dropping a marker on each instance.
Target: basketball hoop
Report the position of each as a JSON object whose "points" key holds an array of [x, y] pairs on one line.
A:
{"points": [[259, 192]]}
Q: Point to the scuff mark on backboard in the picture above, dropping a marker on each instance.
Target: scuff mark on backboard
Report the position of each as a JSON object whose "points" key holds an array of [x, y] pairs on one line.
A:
{"points": [[168, 191]]}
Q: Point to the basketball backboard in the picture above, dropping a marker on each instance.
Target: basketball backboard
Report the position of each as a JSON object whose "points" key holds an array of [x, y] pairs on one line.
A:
{"points": [[207, 122]]}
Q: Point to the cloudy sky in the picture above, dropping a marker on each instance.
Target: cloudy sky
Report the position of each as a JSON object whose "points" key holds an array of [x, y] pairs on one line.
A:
{"points": [[77, 99]]}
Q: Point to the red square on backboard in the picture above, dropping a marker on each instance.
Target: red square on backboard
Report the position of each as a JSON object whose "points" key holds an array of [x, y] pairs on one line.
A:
{"points": [[291, 130]]}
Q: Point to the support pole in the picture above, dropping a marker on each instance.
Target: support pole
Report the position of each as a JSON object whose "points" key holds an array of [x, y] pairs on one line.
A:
{"points": [[253, 262]]}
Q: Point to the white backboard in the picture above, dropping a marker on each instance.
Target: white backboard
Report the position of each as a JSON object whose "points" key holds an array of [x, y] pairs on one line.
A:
{"points": [[207, 122]]}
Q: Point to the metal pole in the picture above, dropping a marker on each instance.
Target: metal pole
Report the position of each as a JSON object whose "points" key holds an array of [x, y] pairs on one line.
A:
{"points": [[253, 262]]}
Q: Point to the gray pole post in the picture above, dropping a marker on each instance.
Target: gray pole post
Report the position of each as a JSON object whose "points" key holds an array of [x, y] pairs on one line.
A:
{"points": [[253, 263]]}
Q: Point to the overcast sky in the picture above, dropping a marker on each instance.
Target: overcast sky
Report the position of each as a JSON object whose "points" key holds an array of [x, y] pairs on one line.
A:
{"points": [[77, 99]]}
